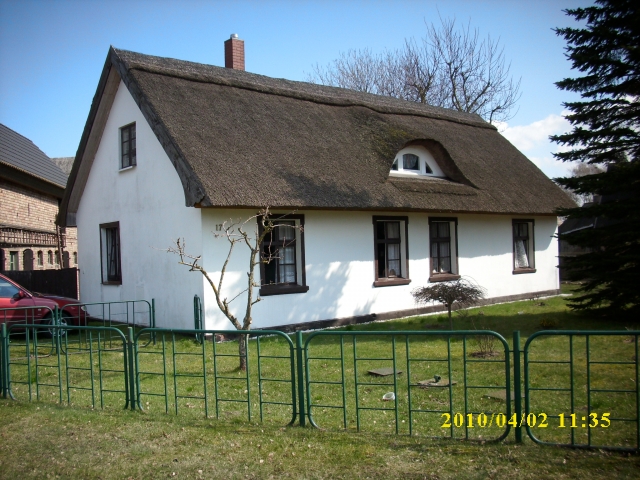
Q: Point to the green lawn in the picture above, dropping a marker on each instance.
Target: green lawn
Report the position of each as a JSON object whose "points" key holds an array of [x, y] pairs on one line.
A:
{"points": [[216, 435]]}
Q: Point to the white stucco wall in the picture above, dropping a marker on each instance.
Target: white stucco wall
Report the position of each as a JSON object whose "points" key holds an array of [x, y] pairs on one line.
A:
{"points": [[339, 251], [148, 201]]}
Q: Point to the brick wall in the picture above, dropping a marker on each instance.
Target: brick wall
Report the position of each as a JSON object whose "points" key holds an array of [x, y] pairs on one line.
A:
{"points": [[25, 208]]}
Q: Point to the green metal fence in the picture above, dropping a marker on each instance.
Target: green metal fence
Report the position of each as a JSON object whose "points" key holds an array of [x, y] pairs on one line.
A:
{"points": [[598, 402], [137, 314], [183, 375], [38, 364], [405, 387], [580, 388]]}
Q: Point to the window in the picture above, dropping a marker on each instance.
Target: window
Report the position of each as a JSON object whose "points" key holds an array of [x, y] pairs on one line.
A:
{"points": [[13, 261], [523, 247], [415, 160], [283, 252], [57, 257], [75, 258], [40, 258], [391, 251], [443, 246], [128, 146], [110, 253], [49, 257]]}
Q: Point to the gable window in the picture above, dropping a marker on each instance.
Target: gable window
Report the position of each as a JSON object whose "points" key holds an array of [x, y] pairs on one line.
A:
{"points": [[128, 146], [282, 268], [415, 160], [523, 247], [391, 251], [443, 248], [110, 253]]}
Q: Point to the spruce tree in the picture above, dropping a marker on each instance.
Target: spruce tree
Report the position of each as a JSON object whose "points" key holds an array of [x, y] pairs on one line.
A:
{"points": [[605, 132]]}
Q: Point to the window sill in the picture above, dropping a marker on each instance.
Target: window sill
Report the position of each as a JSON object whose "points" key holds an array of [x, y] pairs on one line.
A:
{"points": [[267, 290], [524, 270], [127, 168], [113, 282], [443, 277], [389, 282]]}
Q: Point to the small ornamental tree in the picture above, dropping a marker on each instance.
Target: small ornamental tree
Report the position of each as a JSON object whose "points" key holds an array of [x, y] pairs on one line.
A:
{"points": [[260, 251], [461, 291]]}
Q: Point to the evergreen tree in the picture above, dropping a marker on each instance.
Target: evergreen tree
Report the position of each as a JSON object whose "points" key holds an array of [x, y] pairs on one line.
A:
{"points": [[605, 132]]}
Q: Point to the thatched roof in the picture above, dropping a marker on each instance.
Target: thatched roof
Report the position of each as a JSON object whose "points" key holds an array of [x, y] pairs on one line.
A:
{"points": [[243, 140]]}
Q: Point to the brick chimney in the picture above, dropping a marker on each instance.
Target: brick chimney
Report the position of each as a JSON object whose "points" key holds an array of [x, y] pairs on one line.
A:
{"points": [[234, 53]]}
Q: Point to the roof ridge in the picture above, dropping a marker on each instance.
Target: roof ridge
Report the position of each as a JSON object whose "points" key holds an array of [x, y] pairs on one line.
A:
{"points": [[289, 90]]}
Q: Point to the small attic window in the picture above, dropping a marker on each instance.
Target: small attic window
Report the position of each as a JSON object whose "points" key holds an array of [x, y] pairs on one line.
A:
{"points": [[415, 161]]}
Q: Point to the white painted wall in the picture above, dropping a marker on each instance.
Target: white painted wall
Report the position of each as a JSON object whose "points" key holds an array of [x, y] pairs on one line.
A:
{"points": [[339, 250], [148, 201]]}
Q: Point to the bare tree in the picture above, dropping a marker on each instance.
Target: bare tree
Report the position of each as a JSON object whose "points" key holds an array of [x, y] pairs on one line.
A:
{"points": [[450, 67], [260, 251], [582, 170], [461, 291]]}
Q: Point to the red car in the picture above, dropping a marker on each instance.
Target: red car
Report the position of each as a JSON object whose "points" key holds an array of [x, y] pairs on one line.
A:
{"points": [[14, 298]]}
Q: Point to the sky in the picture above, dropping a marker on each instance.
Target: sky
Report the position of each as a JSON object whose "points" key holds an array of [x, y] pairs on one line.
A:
{"points": [[52, 51]]}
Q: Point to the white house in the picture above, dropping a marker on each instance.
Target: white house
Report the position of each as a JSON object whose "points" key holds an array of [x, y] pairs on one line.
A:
{"points": [[391, 195]]}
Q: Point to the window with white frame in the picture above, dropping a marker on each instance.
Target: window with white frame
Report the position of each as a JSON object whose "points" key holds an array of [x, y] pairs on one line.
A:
{"points": [[128, 146], [443, 247], [415, 161], [523, 247], [282, 268], [110, 253], [391, 250]]}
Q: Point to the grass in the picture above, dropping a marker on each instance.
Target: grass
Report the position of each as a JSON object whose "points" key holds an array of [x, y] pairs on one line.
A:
{"points": [[51, 441], [112, 443]]}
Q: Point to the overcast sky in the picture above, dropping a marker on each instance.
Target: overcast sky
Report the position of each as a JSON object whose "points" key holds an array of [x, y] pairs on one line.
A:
{"points": [[52, 52]]}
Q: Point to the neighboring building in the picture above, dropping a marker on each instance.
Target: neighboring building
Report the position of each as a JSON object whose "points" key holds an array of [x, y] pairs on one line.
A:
{"points": [[31, 187], [392, 195]]}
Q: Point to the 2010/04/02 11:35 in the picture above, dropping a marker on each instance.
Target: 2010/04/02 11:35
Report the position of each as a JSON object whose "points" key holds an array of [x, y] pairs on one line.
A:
{"points": [[539, 420]]}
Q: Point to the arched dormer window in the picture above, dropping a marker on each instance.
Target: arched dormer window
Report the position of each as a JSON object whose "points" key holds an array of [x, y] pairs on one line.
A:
{"points": [[413, 161]]}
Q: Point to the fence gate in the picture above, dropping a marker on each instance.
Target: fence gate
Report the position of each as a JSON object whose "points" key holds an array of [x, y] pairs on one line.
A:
{"points": [[584, 387], [406, 387], [42, 362]]}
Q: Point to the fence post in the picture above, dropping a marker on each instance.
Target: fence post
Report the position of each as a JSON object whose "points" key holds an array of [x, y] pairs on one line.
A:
{"points": [[517, 388], [3, 360], [130, 365], [197, 317], [300, 379], [153, 318]]}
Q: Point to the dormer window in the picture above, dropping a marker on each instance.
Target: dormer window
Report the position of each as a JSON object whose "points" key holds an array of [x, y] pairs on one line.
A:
{"points": [[415, 161], [410, 162]]}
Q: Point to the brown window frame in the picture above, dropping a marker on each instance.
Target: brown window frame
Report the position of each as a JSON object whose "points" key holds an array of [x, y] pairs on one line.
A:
{"points": [[404, 278], [132, 162], [300, 286], [531, 253], [453, 260], [113, 279]]}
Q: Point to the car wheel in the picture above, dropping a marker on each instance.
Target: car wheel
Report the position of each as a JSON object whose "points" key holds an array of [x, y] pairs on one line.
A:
{"points": [[50, 332]]}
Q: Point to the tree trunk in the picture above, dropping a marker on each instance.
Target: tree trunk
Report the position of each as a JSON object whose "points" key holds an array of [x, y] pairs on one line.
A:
{"points": [[450, 319], [242, 351]]}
